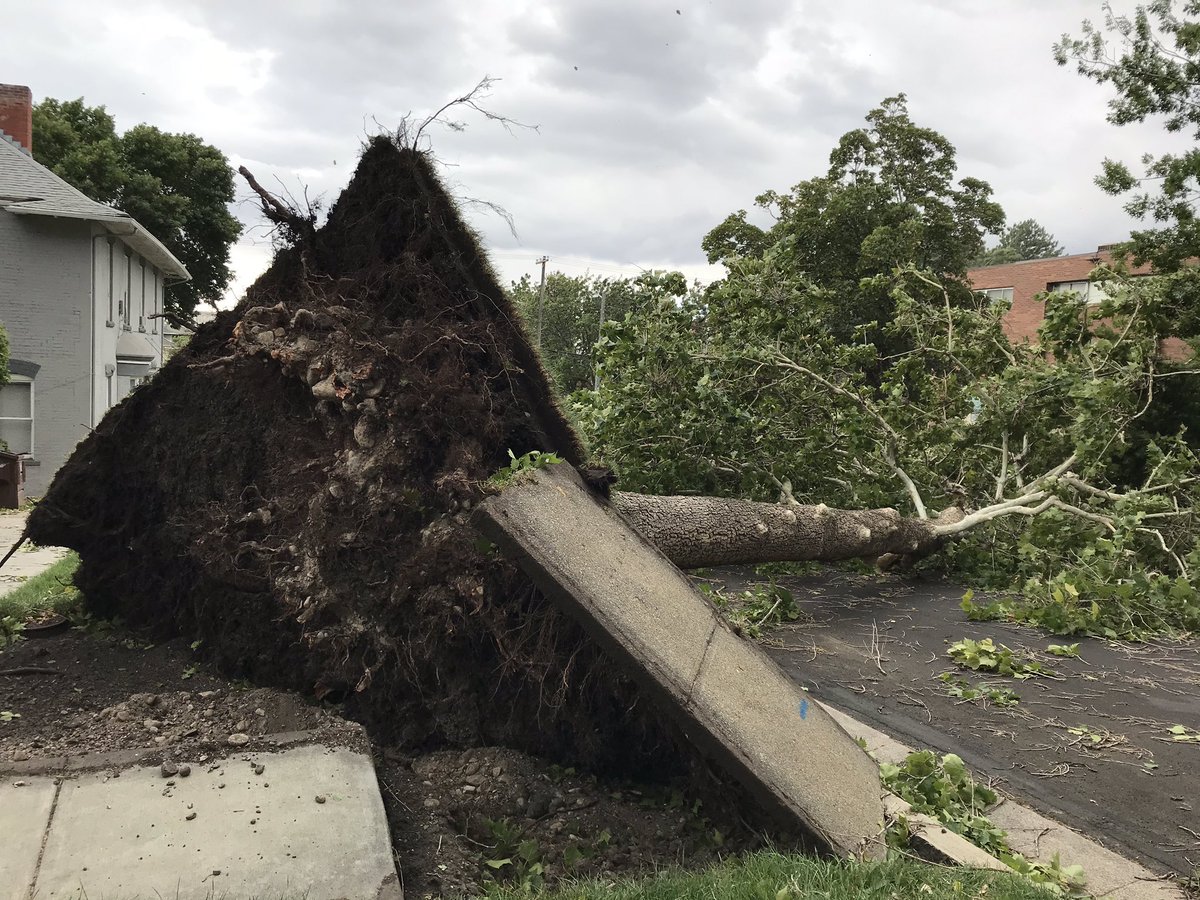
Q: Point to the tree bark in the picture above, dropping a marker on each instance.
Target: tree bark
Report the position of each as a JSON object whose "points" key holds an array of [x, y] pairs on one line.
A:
{"points": [[713, 531]]}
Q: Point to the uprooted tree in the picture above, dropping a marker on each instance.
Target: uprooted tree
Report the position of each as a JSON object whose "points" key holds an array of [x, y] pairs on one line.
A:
{"points": [[294, 487], [1070, 459]]}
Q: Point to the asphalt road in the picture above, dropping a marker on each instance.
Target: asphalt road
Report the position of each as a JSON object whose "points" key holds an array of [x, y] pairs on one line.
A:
{"points": [[1089, 746]]}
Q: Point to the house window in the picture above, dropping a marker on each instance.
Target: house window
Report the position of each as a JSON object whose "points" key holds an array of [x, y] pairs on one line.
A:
{"points": [[131, 372], [997, 295], [1089, 292], [154, 302], [16, 414]]}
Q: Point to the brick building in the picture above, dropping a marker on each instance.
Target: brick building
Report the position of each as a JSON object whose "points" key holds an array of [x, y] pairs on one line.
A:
{"points": [[81, 297], [1020, 283]]}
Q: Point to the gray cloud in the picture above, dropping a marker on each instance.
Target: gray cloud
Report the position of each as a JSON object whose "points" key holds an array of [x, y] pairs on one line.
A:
{"points": [[654, 124]]}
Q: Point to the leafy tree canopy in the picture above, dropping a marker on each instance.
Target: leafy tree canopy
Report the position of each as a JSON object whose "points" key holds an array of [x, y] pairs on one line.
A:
{"points": [[1024, 240], [888, 199], [175, 185], [1152, 61], [1081, 490]]}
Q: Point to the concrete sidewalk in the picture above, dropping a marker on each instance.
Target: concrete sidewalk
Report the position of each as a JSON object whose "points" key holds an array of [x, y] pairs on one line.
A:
{"points": [[304, 821], [26, 562]]}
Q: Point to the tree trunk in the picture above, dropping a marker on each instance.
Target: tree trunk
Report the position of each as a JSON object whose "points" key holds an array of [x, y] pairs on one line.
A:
{"points": [[714, 531]]}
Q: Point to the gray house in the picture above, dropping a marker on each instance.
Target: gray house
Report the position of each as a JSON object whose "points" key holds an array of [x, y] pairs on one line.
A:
{"points": [[81, 297]]}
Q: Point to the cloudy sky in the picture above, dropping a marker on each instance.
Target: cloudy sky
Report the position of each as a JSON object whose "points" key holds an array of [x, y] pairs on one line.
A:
{"points": [[655, 120]]}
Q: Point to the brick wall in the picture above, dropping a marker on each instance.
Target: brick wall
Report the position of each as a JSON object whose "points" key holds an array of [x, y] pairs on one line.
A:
{"points": [[16, 114], [45, 294], [1030, 278]]}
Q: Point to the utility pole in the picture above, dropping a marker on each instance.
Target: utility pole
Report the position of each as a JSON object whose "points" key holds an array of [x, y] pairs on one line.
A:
{"points": [[541, 299]]}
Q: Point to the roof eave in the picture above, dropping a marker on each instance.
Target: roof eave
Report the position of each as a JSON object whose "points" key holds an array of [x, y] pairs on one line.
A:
{"points": [[121, 225]]}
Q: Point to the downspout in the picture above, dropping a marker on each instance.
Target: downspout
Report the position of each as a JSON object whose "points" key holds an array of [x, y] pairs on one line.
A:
{"points": [[92, 338]]}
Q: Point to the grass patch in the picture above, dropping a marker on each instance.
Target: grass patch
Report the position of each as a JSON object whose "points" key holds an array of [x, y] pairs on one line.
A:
{"points": [[773, 876], [52, 590]]}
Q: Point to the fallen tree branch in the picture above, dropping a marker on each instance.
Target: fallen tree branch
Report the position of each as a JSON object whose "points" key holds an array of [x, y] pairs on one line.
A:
{"points": [[29, 670], [890, 445], [1002, 478]]}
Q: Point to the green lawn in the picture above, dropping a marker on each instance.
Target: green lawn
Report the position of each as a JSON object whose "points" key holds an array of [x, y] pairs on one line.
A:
{"points": [[52, 590], [772, 876]]}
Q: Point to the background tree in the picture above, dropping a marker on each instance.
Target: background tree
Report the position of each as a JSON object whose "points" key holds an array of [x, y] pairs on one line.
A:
{"points": [[888, 199], [692, 401], [1024, 240], [175, 185], [571, 311], [1152, 61]]}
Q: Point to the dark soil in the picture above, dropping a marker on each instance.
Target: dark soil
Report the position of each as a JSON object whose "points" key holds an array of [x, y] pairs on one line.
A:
{"points": [[120, 691], [875, 646], [451, 813], [456, 815]]}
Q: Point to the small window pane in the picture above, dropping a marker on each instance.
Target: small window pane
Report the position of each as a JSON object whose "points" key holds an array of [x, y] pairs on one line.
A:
{"points": [[1088, 292], [132, 368], [18, 435], [15, 401]]}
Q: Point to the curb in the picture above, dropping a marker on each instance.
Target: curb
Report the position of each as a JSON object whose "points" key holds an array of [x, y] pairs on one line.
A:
{"points": [[63, 765], [1038, 838]]}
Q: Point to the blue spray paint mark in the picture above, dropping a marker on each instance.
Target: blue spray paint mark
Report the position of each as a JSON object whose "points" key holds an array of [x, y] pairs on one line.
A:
{"points": [[803, 709]]}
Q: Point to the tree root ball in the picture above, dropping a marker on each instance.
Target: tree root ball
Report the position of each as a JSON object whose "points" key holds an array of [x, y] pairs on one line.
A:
{"points": [[292, 489]]}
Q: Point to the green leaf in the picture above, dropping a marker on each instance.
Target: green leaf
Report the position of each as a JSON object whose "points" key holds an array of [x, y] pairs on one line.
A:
{"points": [[572, 856]]}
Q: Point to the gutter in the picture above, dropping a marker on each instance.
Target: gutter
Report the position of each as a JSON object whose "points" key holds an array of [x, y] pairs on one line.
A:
{"points": [[158, 253]]}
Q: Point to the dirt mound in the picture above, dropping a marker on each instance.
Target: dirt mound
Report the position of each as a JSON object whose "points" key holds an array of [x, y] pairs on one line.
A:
{"points": [[464, 819], [293, 488]]}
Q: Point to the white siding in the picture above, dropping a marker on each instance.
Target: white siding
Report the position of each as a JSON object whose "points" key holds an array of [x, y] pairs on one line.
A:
{"points": [[134, 282]]}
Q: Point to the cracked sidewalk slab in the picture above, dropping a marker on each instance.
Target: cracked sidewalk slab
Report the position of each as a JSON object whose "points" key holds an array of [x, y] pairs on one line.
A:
{"points": [[732, 701], [306, 820]]}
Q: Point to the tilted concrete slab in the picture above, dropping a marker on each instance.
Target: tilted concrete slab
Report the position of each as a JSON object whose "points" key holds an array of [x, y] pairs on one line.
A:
{"points": [[227, 830], [732, 701]]}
